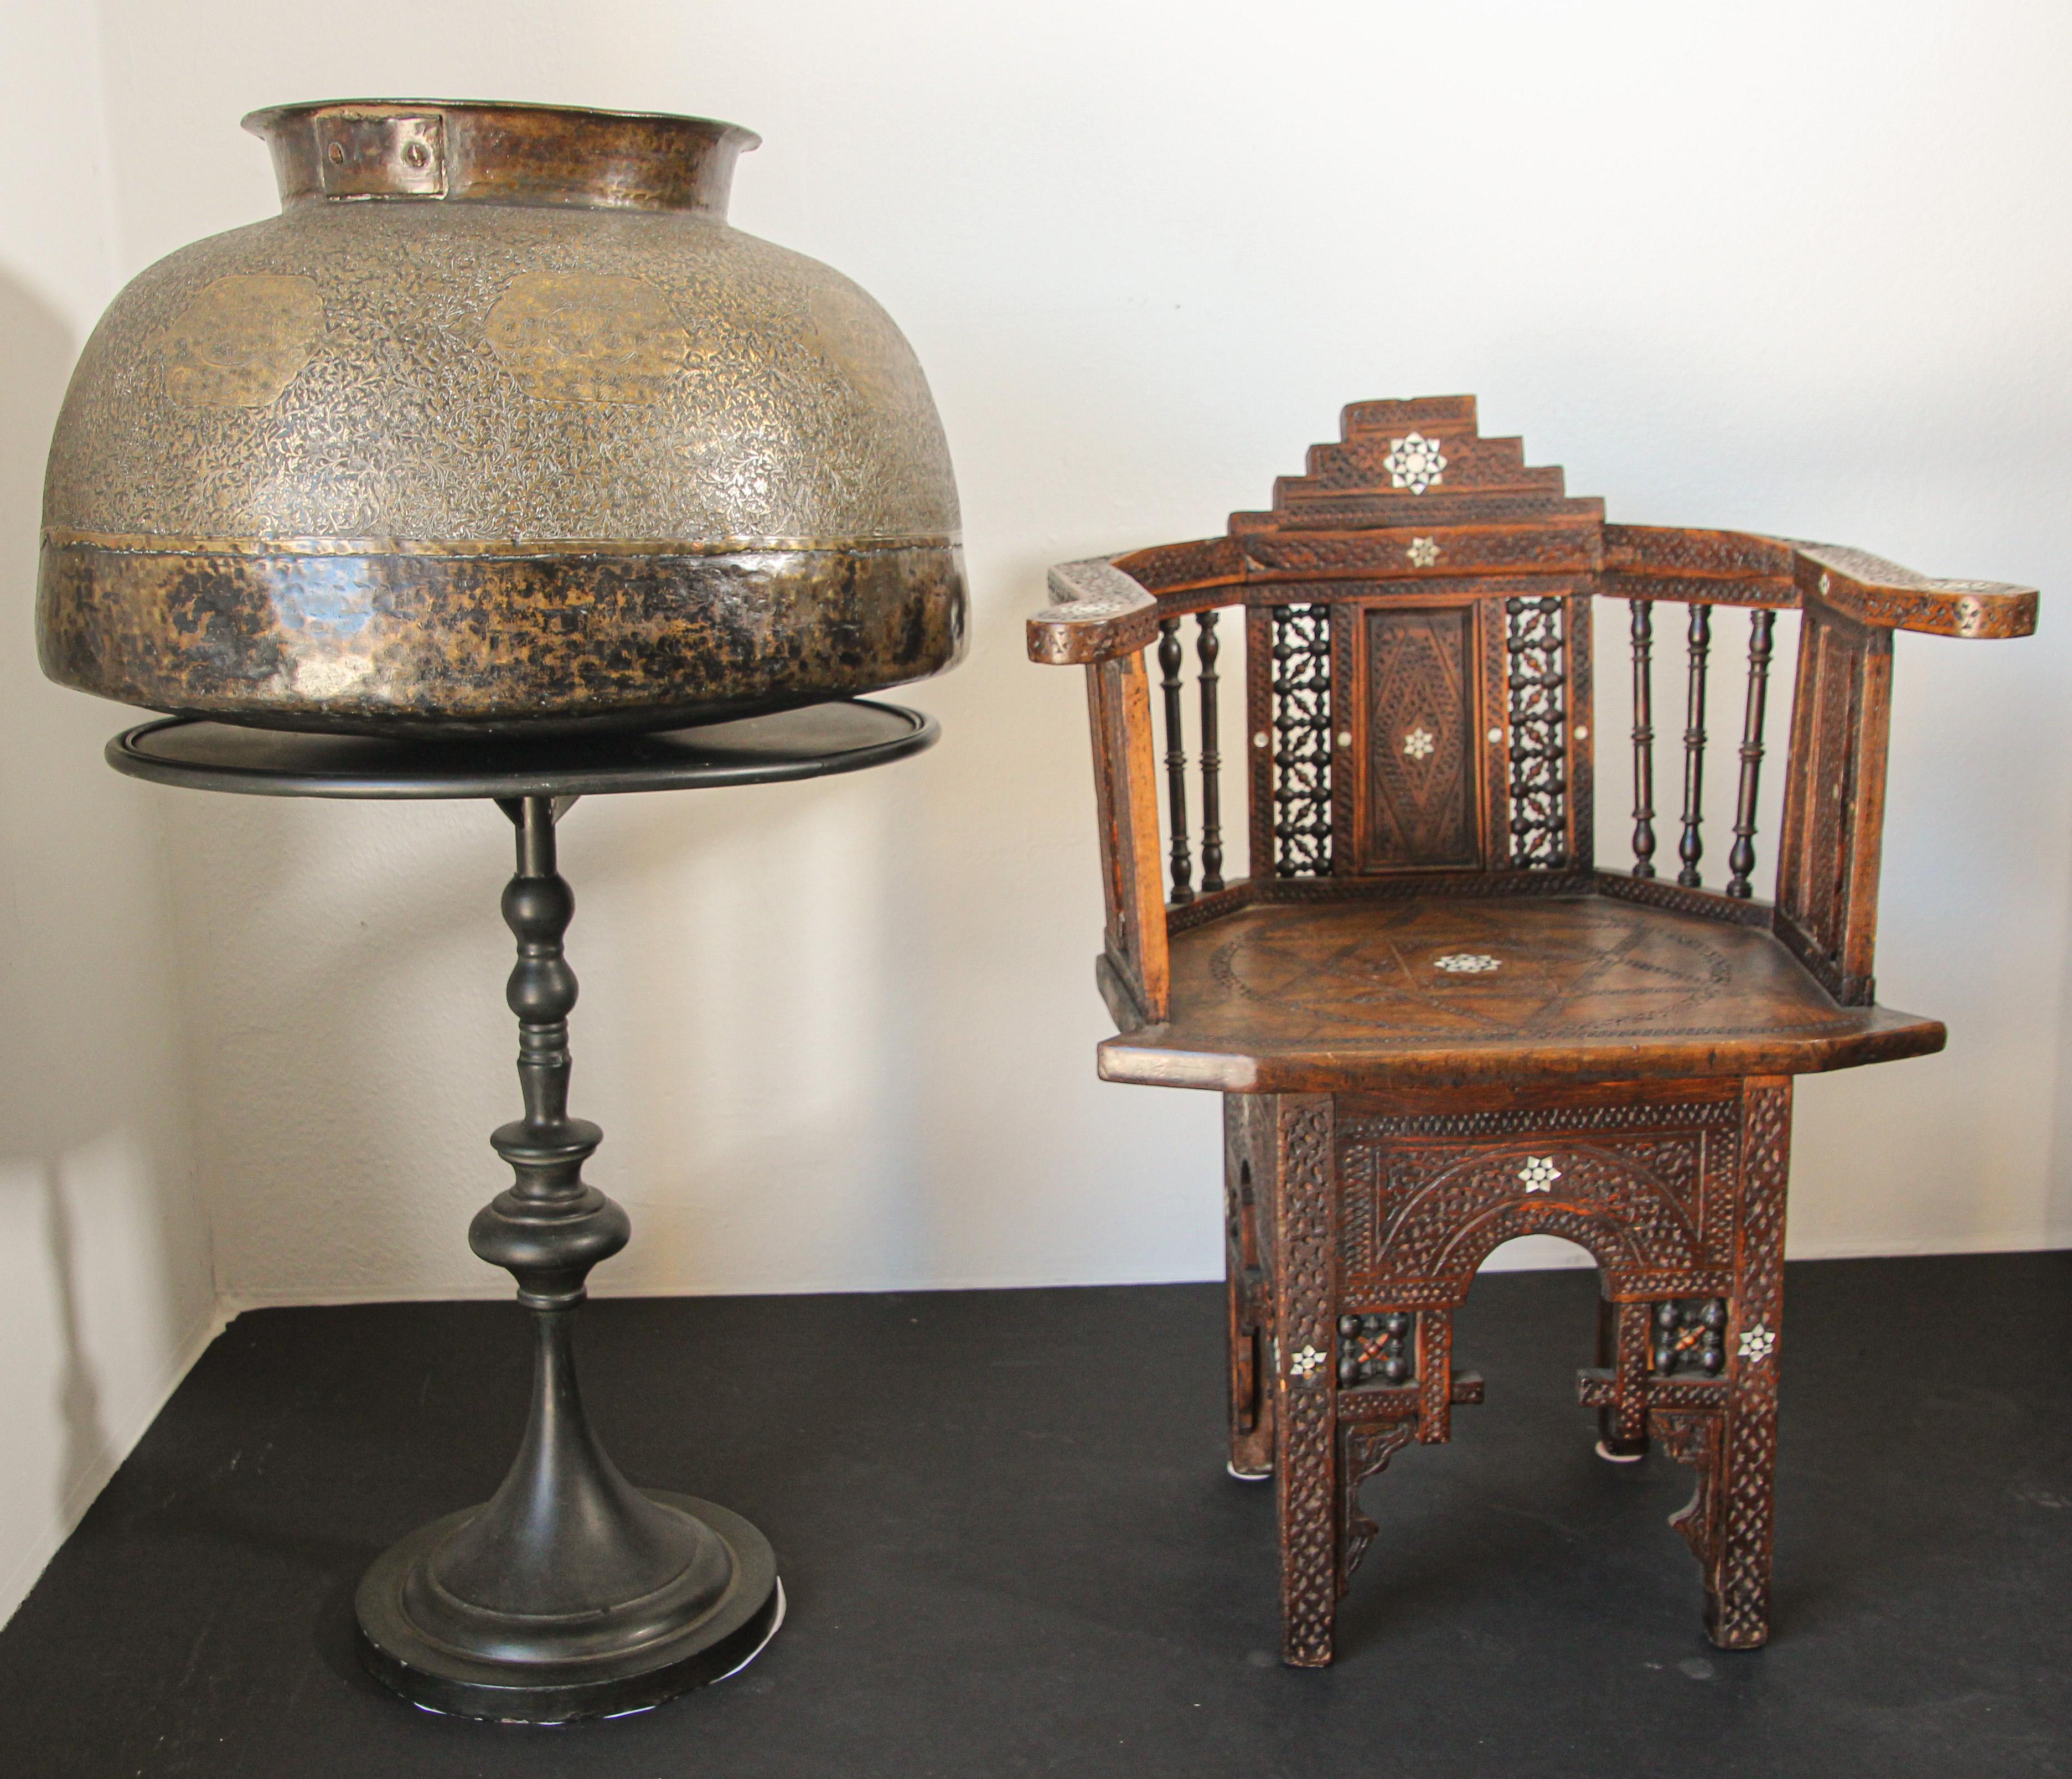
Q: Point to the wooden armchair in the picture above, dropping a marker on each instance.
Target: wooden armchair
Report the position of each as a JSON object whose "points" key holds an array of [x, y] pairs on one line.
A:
{"points": [[1436, 1022]]}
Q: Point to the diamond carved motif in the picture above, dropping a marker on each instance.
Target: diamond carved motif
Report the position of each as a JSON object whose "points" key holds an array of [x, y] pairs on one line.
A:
{"points": [[1419, 788]]}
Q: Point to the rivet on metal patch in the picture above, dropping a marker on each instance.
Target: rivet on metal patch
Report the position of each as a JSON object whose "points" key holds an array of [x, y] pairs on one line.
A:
{"points": [[377, 157]]}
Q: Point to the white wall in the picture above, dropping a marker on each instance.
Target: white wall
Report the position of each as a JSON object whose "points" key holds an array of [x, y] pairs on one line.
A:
{"points": [[108, 1297], [1797, 267], [1793, 267]]}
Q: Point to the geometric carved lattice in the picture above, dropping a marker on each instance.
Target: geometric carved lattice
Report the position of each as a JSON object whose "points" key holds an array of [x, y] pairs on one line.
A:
{"points": [[1689, 1334], [1377, 1346], [1537, 678], [1301, 740]]}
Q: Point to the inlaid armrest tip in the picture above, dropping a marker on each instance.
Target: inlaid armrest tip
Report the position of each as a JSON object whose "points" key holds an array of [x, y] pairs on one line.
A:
{"points": [[1090, 619], [1879, 592]]}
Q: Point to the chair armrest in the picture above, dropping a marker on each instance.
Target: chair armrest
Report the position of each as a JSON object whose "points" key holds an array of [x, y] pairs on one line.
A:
{"points": [[1699, 567], [1834, 805], [1834, 799], [1099, 613], [1102, 620], [1874, 591]]}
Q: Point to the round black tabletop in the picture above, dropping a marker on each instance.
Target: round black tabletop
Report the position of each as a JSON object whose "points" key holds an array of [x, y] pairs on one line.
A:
{"points": [[812, 742]]}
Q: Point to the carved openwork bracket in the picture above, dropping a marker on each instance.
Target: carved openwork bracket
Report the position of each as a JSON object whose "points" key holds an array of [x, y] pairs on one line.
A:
{"points": [[1364, 1450], [1693, 1439]]}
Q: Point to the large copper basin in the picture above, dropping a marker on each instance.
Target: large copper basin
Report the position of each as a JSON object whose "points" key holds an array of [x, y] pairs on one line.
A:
{"points": [[498, 428]]}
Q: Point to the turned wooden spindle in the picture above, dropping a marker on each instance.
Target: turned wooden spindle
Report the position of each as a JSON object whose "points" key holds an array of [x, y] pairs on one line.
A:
{"points": [[1690, 849], [1170, 656], [1741, 862], [1643, 737], [1207, 648]]}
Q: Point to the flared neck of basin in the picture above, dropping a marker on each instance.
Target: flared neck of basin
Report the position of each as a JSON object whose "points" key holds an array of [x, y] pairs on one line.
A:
{"points": [[471, 151]]}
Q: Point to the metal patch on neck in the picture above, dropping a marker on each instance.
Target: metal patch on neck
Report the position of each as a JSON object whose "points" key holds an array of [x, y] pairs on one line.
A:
{"points": [[391, 155]]}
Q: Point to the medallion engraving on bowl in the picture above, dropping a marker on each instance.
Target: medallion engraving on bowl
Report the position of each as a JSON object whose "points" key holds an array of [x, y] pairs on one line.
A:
{"points": [[242, 340], [587, 337]]}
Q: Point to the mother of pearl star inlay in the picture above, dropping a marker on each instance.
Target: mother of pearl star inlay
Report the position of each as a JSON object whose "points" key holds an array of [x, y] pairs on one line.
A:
{"points": [[1414, 462], [1466, 963]]}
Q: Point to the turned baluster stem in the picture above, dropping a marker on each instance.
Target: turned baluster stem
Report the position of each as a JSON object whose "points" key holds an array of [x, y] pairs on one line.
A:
{"points": [[538, 905], [1169, 659], [1690, 849], [550, 1227], [1643, 737], [1741, 862], [1207, 648]]}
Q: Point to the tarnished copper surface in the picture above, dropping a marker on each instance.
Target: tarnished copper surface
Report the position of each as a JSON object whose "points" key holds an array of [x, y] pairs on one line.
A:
{"points": [[498, 425], [499, 153], [479, 643]]}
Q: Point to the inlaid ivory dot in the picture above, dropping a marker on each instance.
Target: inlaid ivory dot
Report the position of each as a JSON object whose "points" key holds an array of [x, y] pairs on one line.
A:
{"points": [[1496, 735], [1259, 738]]}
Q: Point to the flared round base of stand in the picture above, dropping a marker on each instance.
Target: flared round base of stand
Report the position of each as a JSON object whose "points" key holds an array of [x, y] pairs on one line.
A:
{"points": [[433, 1673]]}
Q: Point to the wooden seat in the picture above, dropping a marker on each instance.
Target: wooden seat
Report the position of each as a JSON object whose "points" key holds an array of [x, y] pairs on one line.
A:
{"points": [[1298, 997], [1437, 1023]]}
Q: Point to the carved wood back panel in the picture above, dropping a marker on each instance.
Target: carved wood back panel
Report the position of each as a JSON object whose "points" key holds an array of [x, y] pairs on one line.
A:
{"points": [[1420, 804]]}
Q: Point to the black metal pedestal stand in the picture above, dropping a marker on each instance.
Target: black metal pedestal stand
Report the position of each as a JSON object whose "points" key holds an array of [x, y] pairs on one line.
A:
{"points": [[570, 1593]]}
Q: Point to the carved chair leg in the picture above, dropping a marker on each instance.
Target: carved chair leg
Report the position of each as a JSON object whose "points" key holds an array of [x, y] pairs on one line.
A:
{"points": [[1737, 1591], [1304, 1432], [1622, 1349], [1250, 1312], [1733, 1445]]}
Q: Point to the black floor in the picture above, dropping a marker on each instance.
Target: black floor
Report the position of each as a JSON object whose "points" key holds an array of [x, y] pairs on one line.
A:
{"points": [[1011, 1549]]}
